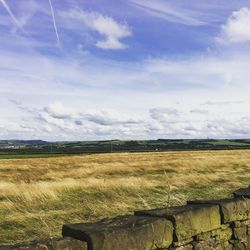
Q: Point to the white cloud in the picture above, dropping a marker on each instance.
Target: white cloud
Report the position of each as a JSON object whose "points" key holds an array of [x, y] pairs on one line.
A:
{"points": [[58, 114], [59, 111], [110, 117], [59, 119], [164, 114], [68, 123], [97, 100], [106, 26], [237, 28]]}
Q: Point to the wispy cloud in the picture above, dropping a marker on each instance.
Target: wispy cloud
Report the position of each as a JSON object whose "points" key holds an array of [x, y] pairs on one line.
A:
{"points": [[16, 22], [219, 103], [54, 22], [165, 10]]}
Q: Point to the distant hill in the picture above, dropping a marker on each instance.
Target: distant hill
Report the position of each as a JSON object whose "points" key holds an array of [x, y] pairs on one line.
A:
{"points": [[22, 142], [79, 147]]}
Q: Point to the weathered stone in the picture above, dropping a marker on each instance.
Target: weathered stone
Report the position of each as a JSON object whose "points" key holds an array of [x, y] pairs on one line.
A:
{"points": [[125, 232], [246, 222], [236, 224], [242, 192], [225, 226], [41, 247], [240, 232], [50, 244], [203, 236], [240, 223], [223, 234], [239, 245], [231, 209], [204, 245], [211, 244], [68, 244], [182, 242], [229, 247], [219, 234], [186, 247], [222, 245], [188, 220]]}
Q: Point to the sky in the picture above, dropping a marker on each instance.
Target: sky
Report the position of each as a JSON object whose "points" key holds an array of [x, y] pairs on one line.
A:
{"points": [[124, 69]]}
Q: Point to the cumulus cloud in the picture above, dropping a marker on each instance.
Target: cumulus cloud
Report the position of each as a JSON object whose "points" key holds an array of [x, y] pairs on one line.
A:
{"points": [[59, 111], [110, 117], [106, 26], [164, 114], [67, 120], [237, 28], [68, 123], [12, 129], [57, 117]]}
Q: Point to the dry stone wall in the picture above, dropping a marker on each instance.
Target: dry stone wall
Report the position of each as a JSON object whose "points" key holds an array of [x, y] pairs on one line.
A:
{"points": [[198, 225]]}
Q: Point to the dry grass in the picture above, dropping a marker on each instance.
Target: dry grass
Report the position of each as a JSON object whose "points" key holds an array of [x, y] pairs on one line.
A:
{"points": [[38, 195]]}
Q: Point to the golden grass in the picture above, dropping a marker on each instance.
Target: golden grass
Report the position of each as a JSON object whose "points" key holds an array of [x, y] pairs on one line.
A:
{"points": [[38, 195]]}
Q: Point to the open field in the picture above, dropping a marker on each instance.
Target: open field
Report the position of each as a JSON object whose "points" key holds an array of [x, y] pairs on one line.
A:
{"points": [[38, 195], [34, 148], [28, 156]]}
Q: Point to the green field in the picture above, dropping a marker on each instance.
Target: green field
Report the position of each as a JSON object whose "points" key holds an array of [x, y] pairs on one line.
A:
{"points": [[19, 149], [28, 156]]}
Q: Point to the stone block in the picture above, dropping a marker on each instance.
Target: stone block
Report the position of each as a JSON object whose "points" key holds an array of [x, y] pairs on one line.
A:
{"points": [[68, 244], [188, 220], [204, 245], [242, 192], [204, 236], [50, 244], [186, 247], [221, 234], [240, 232], [182, 242], [231, 209], [239, 245], [124, 232], [212, 244], [225, 234]]}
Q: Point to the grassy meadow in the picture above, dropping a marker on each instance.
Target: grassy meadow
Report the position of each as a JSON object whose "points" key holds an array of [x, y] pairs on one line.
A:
{"points": [[38, 195]]}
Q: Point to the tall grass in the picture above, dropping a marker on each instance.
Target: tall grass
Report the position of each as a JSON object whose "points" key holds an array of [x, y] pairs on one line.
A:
{"points": [[38, 195]]}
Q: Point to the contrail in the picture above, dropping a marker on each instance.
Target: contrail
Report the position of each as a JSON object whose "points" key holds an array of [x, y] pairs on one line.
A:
{"points": [[54, 22], [6, 6]]}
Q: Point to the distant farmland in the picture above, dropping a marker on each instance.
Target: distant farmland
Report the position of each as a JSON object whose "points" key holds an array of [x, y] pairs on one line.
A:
{"points": [[38, 195], [38, 148]]}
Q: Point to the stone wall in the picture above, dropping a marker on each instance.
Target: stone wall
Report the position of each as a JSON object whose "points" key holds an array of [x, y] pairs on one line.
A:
{"points": [[198, 225]]}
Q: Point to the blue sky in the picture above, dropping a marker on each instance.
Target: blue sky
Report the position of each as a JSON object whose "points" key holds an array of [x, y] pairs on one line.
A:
{"points": [[134, 69]]}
